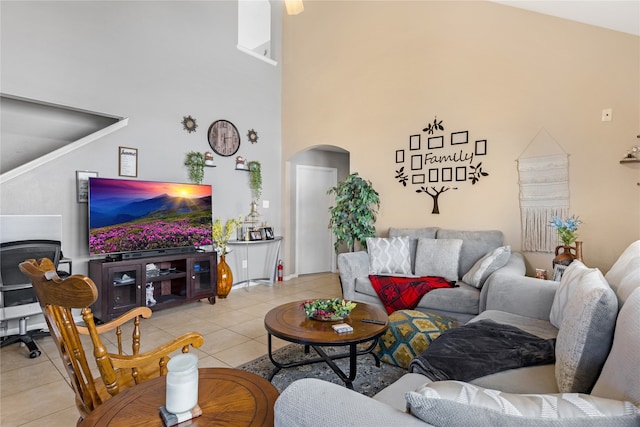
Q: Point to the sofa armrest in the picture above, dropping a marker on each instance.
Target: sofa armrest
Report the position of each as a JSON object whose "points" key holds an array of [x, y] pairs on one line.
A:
{"points": [[514, 267], [522, 295], [313, 402], [352, 265]]}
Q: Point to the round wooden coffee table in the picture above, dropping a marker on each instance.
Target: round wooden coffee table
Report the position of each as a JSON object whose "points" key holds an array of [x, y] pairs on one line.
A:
{"points": [[227, 397], [290, 323]]}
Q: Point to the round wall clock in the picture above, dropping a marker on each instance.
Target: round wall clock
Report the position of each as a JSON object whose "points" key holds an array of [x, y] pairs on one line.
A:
{"points": [[224, 138]]}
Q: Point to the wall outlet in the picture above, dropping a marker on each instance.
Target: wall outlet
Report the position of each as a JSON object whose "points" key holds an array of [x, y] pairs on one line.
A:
{"points": [[265, 204], [607, 114], [244, 263]]}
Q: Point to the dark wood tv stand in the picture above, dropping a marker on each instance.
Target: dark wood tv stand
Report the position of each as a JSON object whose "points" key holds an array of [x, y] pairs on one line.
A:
{"points": [[177, 279]]}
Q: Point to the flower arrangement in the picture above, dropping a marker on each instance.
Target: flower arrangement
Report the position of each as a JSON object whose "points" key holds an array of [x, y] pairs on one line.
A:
{"points": [[221, 235], [566, 229], [328, 309]]}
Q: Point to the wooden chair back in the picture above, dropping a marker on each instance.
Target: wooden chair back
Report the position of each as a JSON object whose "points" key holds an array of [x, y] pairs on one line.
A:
{"points": [[58, 297]]}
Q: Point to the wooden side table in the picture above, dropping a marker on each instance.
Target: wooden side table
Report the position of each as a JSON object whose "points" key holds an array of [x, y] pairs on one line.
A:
{"points": [[227, 397]]}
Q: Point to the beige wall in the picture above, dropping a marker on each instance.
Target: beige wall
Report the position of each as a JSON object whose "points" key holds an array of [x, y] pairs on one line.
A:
{"points": [[365, 75]]}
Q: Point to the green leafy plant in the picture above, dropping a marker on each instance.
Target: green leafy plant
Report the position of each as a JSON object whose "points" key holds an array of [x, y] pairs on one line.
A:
{"points": [[255, 179], [566, 228], [222, 234], [195, 164], [328, 309], [354, 214]]}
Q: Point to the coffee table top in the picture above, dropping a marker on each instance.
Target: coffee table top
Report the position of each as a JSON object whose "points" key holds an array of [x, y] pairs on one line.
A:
{"points": [[227, 397], [289, 322]]}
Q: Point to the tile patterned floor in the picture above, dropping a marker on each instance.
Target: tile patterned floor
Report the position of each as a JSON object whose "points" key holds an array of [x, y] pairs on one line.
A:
{"points": [[34, 392]]}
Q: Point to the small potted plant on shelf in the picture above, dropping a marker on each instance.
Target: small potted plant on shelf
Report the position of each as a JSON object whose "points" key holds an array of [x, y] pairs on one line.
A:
{"points": [[255, 179], [195, 163]]}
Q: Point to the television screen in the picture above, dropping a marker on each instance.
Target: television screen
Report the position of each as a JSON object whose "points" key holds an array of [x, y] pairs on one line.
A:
{"points": [[133, 216]]}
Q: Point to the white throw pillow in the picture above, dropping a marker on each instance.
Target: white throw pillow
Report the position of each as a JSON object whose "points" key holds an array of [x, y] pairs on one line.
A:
{"points": [[585, 334], [389, 255], [438, 257], [455, 403], [568, 283], [486, 265]]}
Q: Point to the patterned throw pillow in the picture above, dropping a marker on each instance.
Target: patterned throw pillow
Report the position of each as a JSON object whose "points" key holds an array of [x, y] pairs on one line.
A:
{"points": [[409, 334], [486, 265], [438, 257], [455, 403], [389, 255]]}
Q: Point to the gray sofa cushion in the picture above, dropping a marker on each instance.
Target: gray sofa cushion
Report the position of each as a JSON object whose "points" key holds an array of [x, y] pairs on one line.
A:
{"points": [[461, 299], [364, 286], [438, 257], [585, 334], [454, 403], [414, 234], [475, 245]]}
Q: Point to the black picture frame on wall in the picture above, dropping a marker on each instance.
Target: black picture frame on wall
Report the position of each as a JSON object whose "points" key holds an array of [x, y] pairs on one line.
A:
{"points": [[416, 162], [399, 156], [414, 142], [481, 147], [435, 142], [459, 137]]}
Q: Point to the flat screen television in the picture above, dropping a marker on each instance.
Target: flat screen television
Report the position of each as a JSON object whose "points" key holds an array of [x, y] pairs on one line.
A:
{"points": [[134, 218]]}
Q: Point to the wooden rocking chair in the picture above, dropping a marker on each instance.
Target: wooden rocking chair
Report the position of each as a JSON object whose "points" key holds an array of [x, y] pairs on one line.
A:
{"points": [[119, 371]]}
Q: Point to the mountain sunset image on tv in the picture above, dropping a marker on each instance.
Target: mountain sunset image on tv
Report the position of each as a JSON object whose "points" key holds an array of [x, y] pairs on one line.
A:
{"points": [[131, 216]]}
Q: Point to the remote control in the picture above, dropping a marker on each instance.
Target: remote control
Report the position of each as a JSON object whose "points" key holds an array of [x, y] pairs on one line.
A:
{"points": [[377, 322]]}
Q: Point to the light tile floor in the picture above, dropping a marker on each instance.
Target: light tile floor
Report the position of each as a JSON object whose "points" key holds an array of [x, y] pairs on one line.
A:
{"points": [[35, 392]]}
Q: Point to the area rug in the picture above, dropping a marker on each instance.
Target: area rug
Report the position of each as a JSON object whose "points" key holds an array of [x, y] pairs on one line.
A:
{"points": [[369, 378]]}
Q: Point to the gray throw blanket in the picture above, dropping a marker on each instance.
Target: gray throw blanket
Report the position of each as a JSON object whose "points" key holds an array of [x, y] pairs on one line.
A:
{"points": [[481, 348]]}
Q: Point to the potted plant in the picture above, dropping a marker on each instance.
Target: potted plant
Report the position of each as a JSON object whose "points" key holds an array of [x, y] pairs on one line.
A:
{"points": [[354, 214], [195, 163], [255, 179]]}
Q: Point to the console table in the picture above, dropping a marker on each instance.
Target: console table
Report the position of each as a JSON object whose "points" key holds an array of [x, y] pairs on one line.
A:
{"points": [[254, 260]]}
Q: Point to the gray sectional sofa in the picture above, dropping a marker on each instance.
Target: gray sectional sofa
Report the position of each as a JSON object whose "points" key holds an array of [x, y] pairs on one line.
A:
{"points": [[462, 302], [595, 380]]}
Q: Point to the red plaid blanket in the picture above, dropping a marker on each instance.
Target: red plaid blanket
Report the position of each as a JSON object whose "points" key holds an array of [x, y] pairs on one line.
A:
{"points": [[404, 293]]}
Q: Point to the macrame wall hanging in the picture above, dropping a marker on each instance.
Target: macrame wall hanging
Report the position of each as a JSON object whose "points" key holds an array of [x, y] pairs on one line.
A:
{"points": [[543, 169]]}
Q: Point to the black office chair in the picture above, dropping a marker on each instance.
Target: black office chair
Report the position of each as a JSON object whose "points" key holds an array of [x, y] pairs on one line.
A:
{"points": [[17, 299]]}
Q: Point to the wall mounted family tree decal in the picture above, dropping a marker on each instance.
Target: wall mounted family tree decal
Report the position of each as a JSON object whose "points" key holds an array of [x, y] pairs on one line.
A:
{"points": [[444, 163]]}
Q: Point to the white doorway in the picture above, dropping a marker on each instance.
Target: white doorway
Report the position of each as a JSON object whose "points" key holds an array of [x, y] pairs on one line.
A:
{"points": [[314, 239]]}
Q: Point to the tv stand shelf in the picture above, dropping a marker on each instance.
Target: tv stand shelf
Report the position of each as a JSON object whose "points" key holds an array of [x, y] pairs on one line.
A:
{"points": [[176, 279]]}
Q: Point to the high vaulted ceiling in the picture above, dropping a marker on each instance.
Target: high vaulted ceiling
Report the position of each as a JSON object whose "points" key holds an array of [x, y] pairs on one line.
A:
{"points": [[618, 15]]}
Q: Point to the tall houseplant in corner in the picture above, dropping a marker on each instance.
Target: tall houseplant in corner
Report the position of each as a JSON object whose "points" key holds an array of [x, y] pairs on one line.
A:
{"points": [[354, 214]]}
